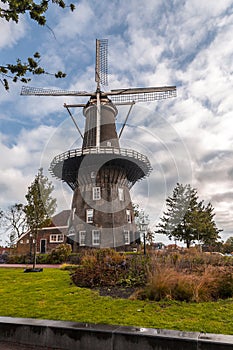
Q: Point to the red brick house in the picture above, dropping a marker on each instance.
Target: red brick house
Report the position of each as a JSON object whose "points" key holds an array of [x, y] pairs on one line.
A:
{"points": [[48, 238], [4, 250]]}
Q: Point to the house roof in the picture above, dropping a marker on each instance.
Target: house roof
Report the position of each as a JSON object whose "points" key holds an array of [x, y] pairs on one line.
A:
{"points": [[61, 219]]}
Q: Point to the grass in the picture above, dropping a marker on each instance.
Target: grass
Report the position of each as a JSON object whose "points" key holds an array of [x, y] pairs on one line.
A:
{"points": [[51, 295]]}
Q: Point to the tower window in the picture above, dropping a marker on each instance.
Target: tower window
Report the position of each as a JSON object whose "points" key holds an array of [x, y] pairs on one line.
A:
{"points": [[121, 194], [126, 237], [96, 193], [73, 213], [95, 237], [89, 215], [82, 237], [128, 216]]}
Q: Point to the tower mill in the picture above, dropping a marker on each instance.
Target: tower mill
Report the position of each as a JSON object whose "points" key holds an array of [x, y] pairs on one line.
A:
{"points": [[101, 173]]}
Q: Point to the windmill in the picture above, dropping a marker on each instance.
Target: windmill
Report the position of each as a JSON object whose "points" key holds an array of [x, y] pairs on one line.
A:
{"points": [[101, 173]]}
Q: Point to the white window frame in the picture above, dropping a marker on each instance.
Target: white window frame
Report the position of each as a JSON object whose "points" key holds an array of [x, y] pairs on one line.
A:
{"points": [[73, 213], [94, 240], [82, 238], [121, 194], [89, 215], [71, 231], [96, 193], [56, 238], [126, 237], [128, 216]]}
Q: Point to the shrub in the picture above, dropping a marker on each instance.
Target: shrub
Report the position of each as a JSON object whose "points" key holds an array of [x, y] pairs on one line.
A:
{"points": [[184, 276], [168, 283], [42, 259], [106, 267], [59, 254], [19, 259], [74, 258]]}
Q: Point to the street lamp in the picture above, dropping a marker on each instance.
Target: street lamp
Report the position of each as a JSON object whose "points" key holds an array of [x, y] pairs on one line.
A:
{"points": [[143, 222]]}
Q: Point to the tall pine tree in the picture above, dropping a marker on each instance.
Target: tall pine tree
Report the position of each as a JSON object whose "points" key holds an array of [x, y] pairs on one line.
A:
{"points": [[188, 220]]}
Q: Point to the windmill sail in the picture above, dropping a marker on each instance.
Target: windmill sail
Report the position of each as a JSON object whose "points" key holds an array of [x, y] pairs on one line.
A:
{"points": [[101, 173], [101, 67]]}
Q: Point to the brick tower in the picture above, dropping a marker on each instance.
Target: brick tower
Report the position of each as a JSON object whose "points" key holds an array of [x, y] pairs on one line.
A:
{"points": [[101, 173]]}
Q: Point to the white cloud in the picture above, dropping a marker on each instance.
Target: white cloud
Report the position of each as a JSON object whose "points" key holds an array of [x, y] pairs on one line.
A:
{"points": [[11, 33], [188, 139]]}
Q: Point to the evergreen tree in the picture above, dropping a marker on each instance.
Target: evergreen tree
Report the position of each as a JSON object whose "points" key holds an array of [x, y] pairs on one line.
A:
{"points": [[40, 206], [186, 219]]}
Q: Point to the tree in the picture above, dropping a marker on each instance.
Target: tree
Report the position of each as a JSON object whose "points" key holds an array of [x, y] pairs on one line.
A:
{"points": [[11, 10], [187, 219], [14, 220], [228, 246], [40, 206]]}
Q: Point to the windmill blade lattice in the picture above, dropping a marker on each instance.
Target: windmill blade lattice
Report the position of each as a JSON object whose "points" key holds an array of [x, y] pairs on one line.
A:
{"points": [[100, 172], [142, 94], [101, 68], [27, 90]]}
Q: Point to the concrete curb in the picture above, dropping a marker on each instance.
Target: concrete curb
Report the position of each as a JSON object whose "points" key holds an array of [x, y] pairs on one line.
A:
{"points": [[80, 336]]}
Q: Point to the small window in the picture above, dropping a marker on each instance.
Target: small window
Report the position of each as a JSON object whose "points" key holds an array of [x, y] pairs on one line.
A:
{"points": [[58, 238], [95, 237], [121, 194], [71, 231], [27, 241], [89, 215], [73, 213], [92, 174], [126, 237], [128, 216], [109, 144], [21, 242], [82, 237], [96, 193]]}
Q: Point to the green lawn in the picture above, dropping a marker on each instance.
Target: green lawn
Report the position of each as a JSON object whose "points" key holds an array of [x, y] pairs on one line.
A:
{"points": [[51, 295]]}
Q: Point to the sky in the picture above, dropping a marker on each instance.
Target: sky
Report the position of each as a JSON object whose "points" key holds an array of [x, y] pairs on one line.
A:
{"points": [[188, 139]]}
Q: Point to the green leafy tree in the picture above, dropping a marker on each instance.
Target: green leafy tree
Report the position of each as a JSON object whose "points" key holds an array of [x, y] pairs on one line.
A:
{"points": [[228, 246], [188, 220], [14, 221], [40, 206], [10, 10]]}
